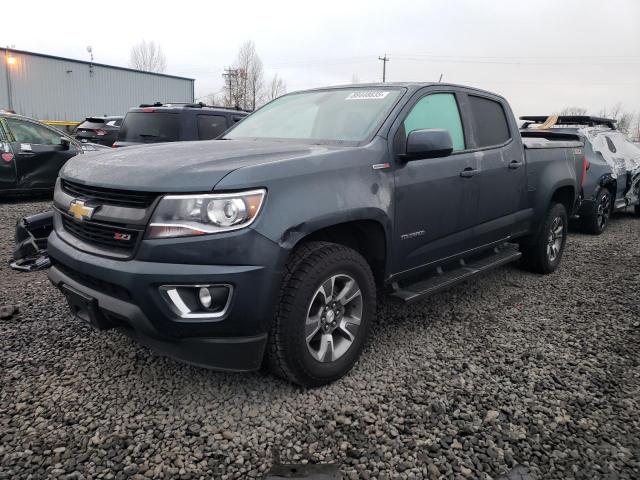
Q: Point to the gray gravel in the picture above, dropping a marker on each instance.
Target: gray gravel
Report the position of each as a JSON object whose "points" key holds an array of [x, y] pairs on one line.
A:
{"points": [[515, 371]]}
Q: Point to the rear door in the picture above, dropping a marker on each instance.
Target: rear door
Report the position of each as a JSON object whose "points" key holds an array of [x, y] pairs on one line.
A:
{"points": [[39, 153], [502, 179], [435, 202]]}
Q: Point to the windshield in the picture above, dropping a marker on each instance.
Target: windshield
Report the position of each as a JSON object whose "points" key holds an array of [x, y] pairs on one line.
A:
{"points": [[150, 127], [340, 115]]}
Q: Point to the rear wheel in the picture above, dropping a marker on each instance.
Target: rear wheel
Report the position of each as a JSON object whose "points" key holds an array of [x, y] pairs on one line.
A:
{"points": [[543, 254], [596, 222], [327, 304]]}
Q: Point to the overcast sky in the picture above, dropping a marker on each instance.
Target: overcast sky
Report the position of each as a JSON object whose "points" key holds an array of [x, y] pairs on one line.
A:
{"points": [[542, 55]]}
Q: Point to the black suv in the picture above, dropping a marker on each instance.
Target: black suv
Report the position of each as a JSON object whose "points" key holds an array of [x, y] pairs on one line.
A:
{"points": [[175, 122], [100, 130]]}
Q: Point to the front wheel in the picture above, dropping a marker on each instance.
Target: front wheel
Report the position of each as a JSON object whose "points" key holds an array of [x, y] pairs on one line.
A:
{"points": [[327, 304], [544, 253]]}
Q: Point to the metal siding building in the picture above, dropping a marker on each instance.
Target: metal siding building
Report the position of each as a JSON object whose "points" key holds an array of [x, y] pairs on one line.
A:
{"points": [[55, 88]]}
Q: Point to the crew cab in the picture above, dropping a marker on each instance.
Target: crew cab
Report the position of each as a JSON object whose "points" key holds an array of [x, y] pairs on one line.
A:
{"points": [[175, 122], [271, 244]]}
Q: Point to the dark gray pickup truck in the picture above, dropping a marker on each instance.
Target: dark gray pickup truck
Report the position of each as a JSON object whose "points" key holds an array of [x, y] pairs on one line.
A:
{"points": [[270, 244]]}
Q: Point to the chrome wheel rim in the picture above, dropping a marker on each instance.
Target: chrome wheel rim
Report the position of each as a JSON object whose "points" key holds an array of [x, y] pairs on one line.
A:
{"points": [[604, 209], [556, 236], [333, 318]]}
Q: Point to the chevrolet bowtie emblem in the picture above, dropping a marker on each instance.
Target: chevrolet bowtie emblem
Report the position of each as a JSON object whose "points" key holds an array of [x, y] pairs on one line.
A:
{"points": [[80, 211]]}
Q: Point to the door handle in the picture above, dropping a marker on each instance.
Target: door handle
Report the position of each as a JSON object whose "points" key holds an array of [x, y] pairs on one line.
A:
{"points": [[515, 164], [469, 172]]}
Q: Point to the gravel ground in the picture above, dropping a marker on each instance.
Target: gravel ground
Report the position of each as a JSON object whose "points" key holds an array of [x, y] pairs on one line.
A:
{"points": [[537, 373]]}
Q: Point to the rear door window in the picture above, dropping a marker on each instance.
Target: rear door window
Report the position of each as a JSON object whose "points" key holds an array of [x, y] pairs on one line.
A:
{"points": [[150, 127], [211, 126], [490, 124], [29, 132], [438, 110]]}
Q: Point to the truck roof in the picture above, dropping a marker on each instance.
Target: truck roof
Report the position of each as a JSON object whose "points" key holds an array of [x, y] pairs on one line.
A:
{"points": [[412, 86]]}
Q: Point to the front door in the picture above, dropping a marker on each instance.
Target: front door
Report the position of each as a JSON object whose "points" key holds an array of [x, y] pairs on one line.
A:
{"points": [[39, 153], [435, 199]]}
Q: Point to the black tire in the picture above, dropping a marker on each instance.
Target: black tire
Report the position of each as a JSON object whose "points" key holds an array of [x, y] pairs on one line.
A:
{"points": [[289, 354], [538, 255], [636, 210], [597, 222]]}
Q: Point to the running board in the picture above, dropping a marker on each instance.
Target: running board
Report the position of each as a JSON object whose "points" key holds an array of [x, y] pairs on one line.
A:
{"points": [[462, 271]]}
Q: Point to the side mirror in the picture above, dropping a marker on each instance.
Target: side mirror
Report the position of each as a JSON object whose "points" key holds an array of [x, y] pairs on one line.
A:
{"points": [[428, 143], [66, 144]]}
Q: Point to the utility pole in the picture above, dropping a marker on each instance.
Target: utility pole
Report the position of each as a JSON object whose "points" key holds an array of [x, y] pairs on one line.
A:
{"points": [[230, 75], [7, 67], [384, 67]]}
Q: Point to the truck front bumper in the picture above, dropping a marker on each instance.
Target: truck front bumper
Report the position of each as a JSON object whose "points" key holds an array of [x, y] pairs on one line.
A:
{"points": [[126, 295]]}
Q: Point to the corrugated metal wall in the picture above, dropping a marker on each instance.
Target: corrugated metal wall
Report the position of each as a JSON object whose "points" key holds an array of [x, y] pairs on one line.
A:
{"points": [[58, 89]]}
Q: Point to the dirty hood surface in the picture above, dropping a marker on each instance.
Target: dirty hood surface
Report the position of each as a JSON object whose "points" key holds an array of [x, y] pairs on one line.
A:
{"points": [[179, 166]]}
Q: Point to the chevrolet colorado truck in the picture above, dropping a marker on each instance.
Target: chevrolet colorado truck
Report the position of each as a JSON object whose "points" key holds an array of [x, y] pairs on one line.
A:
{"points": [[269, 245]]}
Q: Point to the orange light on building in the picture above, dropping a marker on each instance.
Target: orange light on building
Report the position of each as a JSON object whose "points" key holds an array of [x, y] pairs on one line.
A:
{"points": [[12, 60]]}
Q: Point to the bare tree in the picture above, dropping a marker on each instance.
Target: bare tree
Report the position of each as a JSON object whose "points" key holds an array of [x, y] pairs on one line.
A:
{"points": [[244, 83], [635, 131], [624, 119], [573, 111], [148, 57], [277, 87]]}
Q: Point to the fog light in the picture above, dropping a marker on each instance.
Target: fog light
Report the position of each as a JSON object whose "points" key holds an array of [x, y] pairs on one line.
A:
{"points": [[198, 301], [205, 297]]}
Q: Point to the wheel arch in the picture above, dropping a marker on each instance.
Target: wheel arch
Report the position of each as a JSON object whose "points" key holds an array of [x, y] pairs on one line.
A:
{"points": [[367, 236]]}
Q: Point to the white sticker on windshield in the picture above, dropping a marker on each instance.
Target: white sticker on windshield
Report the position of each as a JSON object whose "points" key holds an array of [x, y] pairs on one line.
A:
{"points": [[367, 95]]}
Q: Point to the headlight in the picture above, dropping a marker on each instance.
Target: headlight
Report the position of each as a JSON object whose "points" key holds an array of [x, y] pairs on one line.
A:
{"points": [[187, 215]]}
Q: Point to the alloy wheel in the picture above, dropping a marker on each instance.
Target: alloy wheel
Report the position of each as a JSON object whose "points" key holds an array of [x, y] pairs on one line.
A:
{"points": [[555, 239], [604, 210], [333, 318]]}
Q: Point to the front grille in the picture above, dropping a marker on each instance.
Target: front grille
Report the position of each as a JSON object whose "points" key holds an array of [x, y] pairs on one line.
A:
{"points": [[107, 235], [109, 196], [94, 283]]}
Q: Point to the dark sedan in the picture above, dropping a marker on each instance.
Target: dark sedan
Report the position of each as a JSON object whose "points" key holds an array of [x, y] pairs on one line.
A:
{"points": [[31, 154], [101, 130]]}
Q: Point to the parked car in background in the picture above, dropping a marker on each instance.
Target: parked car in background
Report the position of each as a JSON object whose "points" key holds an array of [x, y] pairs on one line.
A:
{"points": [[176, 122], [275, 241], [101, 130], [612, 175], [93, 147], [32, 154]]}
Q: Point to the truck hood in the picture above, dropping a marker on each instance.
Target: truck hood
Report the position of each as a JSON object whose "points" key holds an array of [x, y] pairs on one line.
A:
{"points": [[179, 166]]}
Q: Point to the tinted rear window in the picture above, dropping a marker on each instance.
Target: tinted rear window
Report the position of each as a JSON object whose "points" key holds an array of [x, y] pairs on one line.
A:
{"points": [[150, 127], [489, 122], [91, 124]]}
